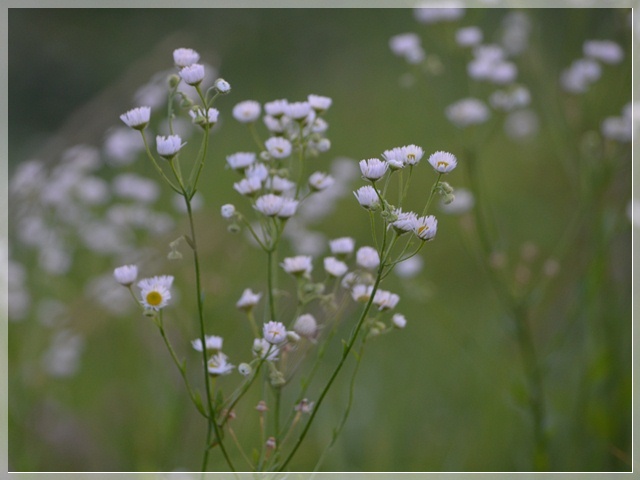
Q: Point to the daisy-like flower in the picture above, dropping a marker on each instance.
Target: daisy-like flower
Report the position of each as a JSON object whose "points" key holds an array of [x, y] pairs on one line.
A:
{"points": [[320, 181], [385, 300], [367, 197], [289, 207], [426, 227], [412, 154], [373, 169], [399, 321], [604, 50], [248, 186], [211, 342], [222, 86], [443, 162], [342, 246], [367, 257], [274, 332], [247, 111], [248, 300], [126, 274], [168, 146], [298, 110], [137, 118], [395, 158], [276, 108], [219, 365], [319, 103], [278, 147], [319, 125], [466, 112], [261, 348], [361, 293], [155, 291], [241, 160], [279, 185], [306, 325], [407, 45], [199, 118], [269, 205], [405, 222], [192, 74], [300, 265], [183, 57], [468, 36], [227, 210], [273, 124], [335, 267], [257, 170]]}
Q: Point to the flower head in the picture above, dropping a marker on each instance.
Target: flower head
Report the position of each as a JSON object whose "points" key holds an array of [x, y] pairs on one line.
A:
{"points": [[443, 162], [155, 291], [335, 267], [274, 332], [278, 147], [168, 146], [412, 154], [405, 221], [466, 112], [199, 118], [137, 118], [247, 111], [269, 204], [361, 293], [426, 227], [192, 74], [367, 257], [604, 50], [248, 186], [276, 108], [342, 245], [367, 197], [298, 110], [257, 170], [385, 300], [222, 86], [288, 209], [373, 169], [218, 365], [319, 103], [399, 321], [227, 210], [183, 57], [241, 160], [248, 300], [261, 348], [300, 265], [320, 181], [305, 325], [395, 158], [305, 406], [468, 36], [126, 274], [211, 342]]}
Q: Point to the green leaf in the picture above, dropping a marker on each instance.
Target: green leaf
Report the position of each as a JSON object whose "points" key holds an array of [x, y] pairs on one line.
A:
{"points": [[197, 399]]}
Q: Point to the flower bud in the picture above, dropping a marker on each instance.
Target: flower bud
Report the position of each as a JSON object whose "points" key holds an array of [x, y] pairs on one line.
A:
{"points": [[234, 228], [173, 80], [245, 369]]}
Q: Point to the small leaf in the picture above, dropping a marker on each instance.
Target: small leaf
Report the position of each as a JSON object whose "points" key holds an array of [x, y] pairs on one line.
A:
{"points": [[197, 399]]}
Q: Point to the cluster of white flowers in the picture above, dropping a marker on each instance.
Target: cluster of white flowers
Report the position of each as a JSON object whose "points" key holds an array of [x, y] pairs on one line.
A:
{"points": [[407, 46], [490, 64], [619, 128], [583, 72], [434, 12]]}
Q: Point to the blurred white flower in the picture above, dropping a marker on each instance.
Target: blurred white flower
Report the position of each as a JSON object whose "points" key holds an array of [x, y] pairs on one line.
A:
{"points": [[367, 257], [335, 267], [212, 342], [137, 118], [274, 332], [248, 300], [218, 365], [126, 274], [247, 111], [183, 57], [192, 74]]}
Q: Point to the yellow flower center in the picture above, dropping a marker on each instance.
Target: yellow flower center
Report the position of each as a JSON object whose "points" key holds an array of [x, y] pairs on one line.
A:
{"points": [[154, 298], [443, 164], [422, 228]]}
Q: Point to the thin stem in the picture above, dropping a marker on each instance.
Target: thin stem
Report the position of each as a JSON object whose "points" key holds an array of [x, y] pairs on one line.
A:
{"points": [[155, 164], [431, 195], [270, 283]]}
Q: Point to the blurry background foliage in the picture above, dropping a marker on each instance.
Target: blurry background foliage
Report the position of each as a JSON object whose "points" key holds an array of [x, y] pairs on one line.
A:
{"points": [[445, 394]]}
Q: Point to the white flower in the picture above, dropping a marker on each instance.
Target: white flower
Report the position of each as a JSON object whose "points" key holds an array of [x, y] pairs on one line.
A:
{"points": [[273, 124], [248, 186], [443, 162], [137, 118], [468, 36], [412, 154], [155, 291], [305, 406], [373, 169], [276, 108], [306, 325], [399, 321], [385, 300], [319, 103], [361, 293], [604, 50], [405, 222], [247, 111], [279, 185], [429, 13], [410, 267], [582, 73], [126, 274], [323, 145], [192, 74], [274, 332], [288, 209], [426, 227], [298, 110], [199, 118], [407, 45], [319, 125], [211, 342], [218, 365], [241, 160], [168, 146], [367, 257], [367, 197], [227, 210], [335, 267], [300, 265], [468, 111], [278, 147], [463, 202], [342, 246], [320, 181], [270, 204], [262, 348], [395, 158], [245, 369], [257, 170], [248, 300], [222, 85], [183, 57]]}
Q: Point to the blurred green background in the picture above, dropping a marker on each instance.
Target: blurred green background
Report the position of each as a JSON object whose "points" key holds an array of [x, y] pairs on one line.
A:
{"points": [[445, 394]]}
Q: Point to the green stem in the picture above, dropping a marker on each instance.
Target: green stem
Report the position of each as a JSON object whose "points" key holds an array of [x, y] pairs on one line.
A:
{"points": [[270, 283], [155, 164]]}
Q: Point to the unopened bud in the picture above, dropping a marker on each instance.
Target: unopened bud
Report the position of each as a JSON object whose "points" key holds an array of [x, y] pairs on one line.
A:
{"points": [[262, 406], [448, 198], [234, 228], [271, 443], [245, 369], [173, 81]]}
